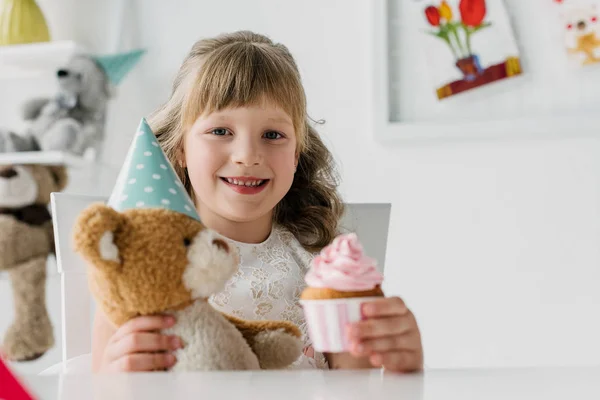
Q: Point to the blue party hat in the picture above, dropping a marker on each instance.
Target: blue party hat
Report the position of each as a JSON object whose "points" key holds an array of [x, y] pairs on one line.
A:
{"points": [[148, 180], [117, 66]]}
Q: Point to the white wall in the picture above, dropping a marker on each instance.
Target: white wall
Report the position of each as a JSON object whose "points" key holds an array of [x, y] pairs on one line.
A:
{"points": [[494, 245]]}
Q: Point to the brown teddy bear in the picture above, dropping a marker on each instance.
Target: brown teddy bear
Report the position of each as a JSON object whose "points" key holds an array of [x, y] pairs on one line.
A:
{"points": [[149, 253], [26, 240]]}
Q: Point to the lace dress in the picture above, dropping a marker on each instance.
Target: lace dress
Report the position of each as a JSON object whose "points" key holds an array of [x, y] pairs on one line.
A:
{"points": [[268, 285]]}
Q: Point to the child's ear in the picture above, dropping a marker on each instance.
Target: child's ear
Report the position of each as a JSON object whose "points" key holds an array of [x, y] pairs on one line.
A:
{"points": [[94, 236]]}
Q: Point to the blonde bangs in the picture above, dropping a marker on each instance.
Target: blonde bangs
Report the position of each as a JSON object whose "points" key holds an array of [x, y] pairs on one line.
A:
{"points": [[247, 74]]}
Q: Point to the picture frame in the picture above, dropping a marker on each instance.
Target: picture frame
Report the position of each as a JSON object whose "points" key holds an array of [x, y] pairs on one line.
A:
{"points": [[548, 120]]}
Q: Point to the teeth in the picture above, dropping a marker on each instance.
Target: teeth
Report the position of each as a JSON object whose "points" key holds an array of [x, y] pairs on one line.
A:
{"points": [[242, 183]]}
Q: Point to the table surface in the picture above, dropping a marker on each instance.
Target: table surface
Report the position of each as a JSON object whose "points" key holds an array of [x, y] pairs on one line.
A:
{"points": [[513, 384]]}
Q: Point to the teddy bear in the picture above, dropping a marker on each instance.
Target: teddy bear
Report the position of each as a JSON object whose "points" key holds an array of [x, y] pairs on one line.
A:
{"points": [[26, 241], [149, 253], [74, 119], [581, 31]]}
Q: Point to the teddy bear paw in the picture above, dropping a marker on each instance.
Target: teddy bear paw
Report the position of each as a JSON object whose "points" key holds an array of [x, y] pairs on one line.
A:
{"points": [[277, 349], [63, 136], [28, 341]]}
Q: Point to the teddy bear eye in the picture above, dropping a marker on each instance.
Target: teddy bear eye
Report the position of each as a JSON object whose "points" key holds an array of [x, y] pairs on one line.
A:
{"points": [[187, 242]]}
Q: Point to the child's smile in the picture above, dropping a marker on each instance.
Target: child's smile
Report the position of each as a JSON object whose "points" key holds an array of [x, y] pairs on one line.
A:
{"points": [[246, 185]]}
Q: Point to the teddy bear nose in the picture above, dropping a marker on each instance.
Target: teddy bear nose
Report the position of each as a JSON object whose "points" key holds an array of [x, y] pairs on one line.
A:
{"points": [[62, 73], [221, 244], [581, 25], [8, 173]]}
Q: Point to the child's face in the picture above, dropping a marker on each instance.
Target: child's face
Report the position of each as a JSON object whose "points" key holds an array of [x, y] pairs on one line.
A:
{"points": [[241, 161]]}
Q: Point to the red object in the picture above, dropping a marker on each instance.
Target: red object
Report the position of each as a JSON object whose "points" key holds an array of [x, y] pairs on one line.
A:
{"points": [[472, 12], [433, 15], [10, 387], [491, 74], [594, 19], [570, 26]]}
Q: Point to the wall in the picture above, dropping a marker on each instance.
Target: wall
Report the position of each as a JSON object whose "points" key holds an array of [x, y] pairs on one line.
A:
{"points": [[494, 245]]}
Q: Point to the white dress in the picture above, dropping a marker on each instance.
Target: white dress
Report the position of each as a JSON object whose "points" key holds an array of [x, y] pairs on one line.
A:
{"points": [[268, 285]]}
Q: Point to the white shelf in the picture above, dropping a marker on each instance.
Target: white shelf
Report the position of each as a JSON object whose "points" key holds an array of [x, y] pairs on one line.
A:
{"points": [[45, 157], [26, 60]]}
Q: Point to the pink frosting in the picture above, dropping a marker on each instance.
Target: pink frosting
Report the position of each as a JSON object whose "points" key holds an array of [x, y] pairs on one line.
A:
{"points": [[343, 266]]}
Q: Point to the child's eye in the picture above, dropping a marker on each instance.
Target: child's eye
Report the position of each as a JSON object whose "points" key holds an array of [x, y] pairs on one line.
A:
{"points": [[219, 131], [272, 135]]}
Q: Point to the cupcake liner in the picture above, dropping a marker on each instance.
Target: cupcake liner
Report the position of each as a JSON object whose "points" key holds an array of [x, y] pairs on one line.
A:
{"points": [[327, 321]]}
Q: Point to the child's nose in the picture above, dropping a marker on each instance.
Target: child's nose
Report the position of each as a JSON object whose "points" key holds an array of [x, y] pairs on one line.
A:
{"points": [[247, 154]]}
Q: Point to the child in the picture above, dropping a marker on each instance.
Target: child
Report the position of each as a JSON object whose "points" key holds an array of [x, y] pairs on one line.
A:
{"points": [[236, 131]]}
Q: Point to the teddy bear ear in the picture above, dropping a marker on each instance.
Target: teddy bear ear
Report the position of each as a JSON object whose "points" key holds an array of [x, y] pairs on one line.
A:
{"points": [[94, 236], [59, 174]]}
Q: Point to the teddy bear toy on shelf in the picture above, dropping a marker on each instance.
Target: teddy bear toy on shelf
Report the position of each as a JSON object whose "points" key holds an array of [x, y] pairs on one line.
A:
{"points": [[73, 120], [148, 253]]}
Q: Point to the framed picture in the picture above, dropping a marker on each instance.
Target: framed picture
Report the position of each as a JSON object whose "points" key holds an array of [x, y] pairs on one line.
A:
{"points": [[468, 44], [478, 69]]}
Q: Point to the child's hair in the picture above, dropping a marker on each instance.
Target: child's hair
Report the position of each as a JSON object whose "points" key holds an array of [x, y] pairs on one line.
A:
{"points": [[245, 68]]}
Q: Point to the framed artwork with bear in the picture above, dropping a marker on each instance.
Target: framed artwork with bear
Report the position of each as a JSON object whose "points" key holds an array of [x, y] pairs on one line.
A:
{"points": [[483, 69], [581, 31]]}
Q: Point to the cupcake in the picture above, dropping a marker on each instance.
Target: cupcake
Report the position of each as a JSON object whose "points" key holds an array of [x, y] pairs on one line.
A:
{"points": [[340, 279]]}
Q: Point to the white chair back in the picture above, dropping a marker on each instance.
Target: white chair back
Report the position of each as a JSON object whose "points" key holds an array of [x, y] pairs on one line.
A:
{"points": [[76, 302], [369, 221]]}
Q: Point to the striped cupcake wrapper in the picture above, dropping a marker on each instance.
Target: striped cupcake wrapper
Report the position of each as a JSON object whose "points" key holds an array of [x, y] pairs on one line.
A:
{"points": [[327, 321]]}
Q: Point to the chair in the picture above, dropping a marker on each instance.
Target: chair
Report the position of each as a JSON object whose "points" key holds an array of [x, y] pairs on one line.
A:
{"points": [[76, 302], [77, 306], [370, 221]]}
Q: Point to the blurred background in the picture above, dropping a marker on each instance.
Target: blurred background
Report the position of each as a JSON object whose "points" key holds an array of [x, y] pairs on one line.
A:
{"points": [[494, 241]]}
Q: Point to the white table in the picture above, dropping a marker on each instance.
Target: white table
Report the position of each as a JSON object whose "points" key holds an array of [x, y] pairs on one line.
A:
{"points": [[513, 384]]}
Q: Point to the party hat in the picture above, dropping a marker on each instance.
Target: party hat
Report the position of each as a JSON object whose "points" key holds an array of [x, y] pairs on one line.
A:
{"points": [[148, 180], [117, 66]]}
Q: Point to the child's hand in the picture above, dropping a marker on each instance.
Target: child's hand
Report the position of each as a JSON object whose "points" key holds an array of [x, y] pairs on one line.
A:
{"points": [[388, 335], [136, 346]]}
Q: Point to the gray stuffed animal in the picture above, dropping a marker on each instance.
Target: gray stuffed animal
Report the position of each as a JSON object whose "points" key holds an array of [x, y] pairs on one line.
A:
{"points": [[74, 119]]}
